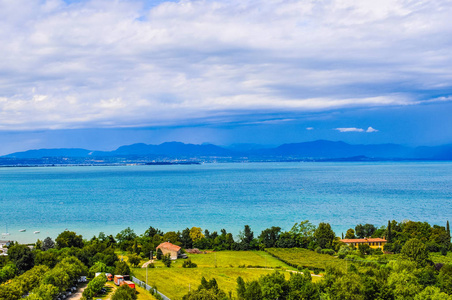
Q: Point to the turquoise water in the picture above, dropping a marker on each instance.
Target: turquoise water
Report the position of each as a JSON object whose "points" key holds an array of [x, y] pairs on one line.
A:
{"points": [[214, 196]]}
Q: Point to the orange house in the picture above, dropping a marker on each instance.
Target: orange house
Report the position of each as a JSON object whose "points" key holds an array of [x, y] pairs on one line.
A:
{"points": [[372, 242], [172, 249]]}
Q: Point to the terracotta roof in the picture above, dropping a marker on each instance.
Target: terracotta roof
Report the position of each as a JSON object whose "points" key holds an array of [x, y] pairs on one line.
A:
{"points": [[369, 240], [169, 246]]}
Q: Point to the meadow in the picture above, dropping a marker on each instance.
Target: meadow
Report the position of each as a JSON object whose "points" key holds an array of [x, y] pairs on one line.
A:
{"points": [[224, 266]]}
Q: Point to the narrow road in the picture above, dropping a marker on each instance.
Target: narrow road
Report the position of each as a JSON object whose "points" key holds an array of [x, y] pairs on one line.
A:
{"points": [[78, 293]]}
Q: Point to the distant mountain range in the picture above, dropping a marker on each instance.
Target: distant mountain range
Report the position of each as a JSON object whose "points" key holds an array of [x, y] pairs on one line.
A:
{"points": [[316, 150]]}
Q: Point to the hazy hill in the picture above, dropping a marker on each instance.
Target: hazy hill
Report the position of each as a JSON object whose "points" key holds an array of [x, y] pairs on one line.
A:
{"points": [[320, 149]]}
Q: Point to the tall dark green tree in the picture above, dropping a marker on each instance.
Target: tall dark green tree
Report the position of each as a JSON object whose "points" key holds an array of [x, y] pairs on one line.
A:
{"points": [[389, 233], [324, 235]]}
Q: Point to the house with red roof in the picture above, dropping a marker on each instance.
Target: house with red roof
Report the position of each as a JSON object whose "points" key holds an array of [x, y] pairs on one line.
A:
{"points": [[372, 242], [173, 250]]}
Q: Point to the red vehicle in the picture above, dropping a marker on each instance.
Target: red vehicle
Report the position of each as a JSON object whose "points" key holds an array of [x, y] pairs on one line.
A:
{"points": [[109, 277], [119, 279], [129, 283]]}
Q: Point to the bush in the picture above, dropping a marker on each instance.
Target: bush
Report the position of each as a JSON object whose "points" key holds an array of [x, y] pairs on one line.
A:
{"points": [[124, 292], [318, 250], [189, 264], [327, 251]]}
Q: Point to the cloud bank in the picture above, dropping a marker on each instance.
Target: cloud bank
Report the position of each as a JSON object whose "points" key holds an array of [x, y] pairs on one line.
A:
{"points": [[119, 64]]}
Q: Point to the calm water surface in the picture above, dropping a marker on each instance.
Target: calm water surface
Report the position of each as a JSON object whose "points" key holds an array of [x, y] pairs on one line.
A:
{"points": [[214, 196]]}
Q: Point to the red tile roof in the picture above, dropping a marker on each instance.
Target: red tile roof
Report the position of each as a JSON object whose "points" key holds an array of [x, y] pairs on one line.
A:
{"points": [[169, 246], [369, 240]]}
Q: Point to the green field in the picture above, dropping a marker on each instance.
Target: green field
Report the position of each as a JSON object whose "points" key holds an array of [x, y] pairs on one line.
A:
{"points": [[176, 281], [307, 259]]}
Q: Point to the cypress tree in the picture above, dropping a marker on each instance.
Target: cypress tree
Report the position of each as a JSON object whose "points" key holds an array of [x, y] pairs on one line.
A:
{"points": [[389, 237], [448, 231]]}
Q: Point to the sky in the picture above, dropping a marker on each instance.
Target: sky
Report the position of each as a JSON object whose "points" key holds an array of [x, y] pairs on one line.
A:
{"points": [[99, 74]]}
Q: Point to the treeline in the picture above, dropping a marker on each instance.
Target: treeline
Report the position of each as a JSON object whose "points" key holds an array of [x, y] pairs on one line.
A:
{"points": [[52, 267]]}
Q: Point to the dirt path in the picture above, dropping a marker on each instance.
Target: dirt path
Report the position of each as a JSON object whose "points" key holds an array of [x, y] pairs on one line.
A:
{"points": [[78, 293], [147, 263]]}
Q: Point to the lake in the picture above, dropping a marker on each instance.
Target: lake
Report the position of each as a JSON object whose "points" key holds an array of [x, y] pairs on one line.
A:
{"points": [[89, 200]]}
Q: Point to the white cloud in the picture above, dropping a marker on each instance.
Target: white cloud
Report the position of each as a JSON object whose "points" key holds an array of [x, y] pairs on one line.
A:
{"points": [[354, 129], [350, 129], [111, 63], [370, 129], [309, 128]]}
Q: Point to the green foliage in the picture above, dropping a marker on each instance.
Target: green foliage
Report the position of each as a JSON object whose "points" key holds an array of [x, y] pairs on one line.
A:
{"points": [[94, 286], [122, 268], [324, 235], [196, 234], [366, 230], [124, 292], [445, 279], [47, 244], [171, 237], [8, 272], [43, 292], [22, 257], [189, 264], [166, 259], [350, 234], [68, 239], [416, 251], [269, 237], [159, 254], [432, 293], [134, 260], [208, 290], [23, 284]]}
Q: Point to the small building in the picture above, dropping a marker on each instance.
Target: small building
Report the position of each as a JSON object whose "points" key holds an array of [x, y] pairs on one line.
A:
{"points": [[173, 250], [372, 242]]}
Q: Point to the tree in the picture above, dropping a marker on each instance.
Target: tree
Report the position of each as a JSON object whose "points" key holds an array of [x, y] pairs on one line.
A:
{"points": [[134, 260], [122, 268], [196, 234], [274, 286], [350, 234], [448, 232], [69, 239], [22, 257], [365, 230], [47, 244], [432, 293], [389, 233], [186, 241], [246, 239], [416, 251], [124, 292], [94, 286], [151, 232], [270, 236], [324, 235], [171, 237], [159, 254], [166, 260]]}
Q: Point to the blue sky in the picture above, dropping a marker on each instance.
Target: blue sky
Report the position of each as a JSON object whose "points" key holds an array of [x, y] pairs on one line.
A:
{"points": [[99, 74]]}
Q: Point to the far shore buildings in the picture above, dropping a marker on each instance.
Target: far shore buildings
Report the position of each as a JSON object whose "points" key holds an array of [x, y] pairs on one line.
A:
{"points": [[173, 250], [372, 242]]}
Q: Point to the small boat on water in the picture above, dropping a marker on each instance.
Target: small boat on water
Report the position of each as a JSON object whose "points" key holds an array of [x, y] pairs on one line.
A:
{"points": [[6, 233], [22, 230], [36, 232]]}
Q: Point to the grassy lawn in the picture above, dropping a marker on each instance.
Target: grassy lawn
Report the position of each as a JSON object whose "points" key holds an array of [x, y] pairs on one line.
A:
{"points": [[176, 281], [307, 258]]}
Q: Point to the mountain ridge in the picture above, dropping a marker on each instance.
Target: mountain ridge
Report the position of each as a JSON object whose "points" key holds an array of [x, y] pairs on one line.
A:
{"points": [[319, 149]]}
